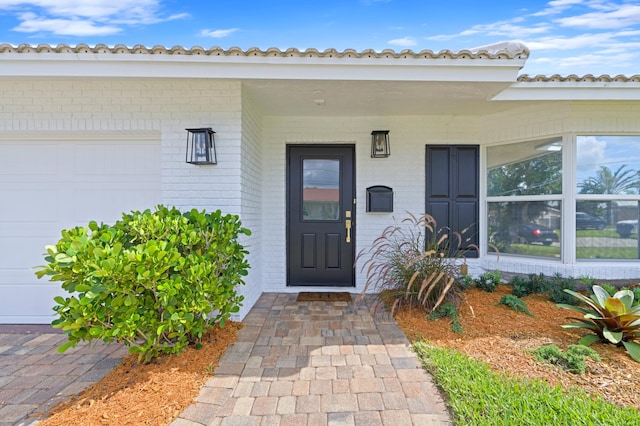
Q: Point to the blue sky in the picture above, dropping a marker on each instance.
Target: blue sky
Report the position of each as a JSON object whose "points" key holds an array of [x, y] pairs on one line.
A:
{"points": [[564, 36]]}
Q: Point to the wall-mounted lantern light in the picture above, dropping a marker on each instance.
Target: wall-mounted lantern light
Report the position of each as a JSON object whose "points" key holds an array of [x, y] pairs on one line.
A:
{"points": [[380, 144], [201, 146]]}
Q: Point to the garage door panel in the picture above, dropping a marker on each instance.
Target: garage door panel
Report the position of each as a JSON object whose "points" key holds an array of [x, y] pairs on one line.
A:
{"points": [[21, 252], [108, 207], [28, 205], [35, 309], [22, 278], [61, 185], [28, 159], [29, 229]]}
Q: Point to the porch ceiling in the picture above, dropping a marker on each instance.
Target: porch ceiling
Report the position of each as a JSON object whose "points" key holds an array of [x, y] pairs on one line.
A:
{"points": [[375, 98]]}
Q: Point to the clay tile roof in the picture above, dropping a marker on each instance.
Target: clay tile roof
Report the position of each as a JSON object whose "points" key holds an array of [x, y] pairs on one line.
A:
{"points": [[499, 51], [526, 78]]}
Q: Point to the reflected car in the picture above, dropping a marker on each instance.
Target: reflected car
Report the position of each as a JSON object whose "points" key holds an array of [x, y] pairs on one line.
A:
{"points": [[527, 233], [586, 221], [625, 228]]}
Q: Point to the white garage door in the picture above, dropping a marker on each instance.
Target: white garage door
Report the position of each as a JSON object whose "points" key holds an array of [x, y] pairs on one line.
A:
{"points": [[47, 186]]}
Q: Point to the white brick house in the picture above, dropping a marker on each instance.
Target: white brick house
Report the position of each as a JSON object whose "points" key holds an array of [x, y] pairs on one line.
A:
{"points": [[89, 132]]}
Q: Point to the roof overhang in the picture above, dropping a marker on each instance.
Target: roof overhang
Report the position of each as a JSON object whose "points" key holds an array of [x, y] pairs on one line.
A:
{"points": [[308, 65], [572, 88], [328, 83]]}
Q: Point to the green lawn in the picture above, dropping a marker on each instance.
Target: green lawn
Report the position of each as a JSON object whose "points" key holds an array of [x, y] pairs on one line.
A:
{"points": [[607, 232], [534, 250], [479, 396], [607, 252], [613, 251]]}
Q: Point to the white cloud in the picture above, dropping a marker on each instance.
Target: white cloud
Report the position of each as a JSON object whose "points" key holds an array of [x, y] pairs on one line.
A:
{"points": [[506, 29], [95, 9], [218, 33], [558, 6], [31, 24], [595, 63], [591, 152], [568, 36], [403, 42], [621, 17], [583, 41], [83, 17]]}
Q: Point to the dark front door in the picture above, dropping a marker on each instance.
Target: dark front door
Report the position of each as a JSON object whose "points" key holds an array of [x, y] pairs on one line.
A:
{"points": [[320, 215], [452, 193]]}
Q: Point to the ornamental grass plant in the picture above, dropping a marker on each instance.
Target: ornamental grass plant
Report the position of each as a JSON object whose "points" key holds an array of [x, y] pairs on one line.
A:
{"points": [[415, 264]]}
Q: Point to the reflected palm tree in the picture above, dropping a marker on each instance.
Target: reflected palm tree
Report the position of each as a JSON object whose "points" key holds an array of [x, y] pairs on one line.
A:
{"points": [[622, 181], [607, 182]]}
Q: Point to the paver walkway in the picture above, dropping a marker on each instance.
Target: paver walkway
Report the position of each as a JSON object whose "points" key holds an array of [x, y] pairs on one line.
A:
{"points": [[34, 376], [318, 363]]}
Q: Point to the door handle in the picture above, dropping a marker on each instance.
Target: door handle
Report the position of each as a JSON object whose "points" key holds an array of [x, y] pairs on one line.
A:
{"points": [[347, 224]]}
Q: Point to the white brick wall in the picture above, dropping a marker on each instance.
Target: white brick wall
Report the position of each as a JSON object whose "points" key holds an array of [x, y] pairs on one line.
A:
{"points": [[403, 171], [251, 209], [249, 178], [98, 108], [101, 108]]}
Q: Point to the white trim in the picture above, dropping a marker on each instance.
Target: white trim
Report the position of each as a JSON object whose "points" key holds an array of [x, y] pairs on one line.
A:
{"points": [[570, 91], [258, 67], [568, 207], [512, 198], [482, 197]]}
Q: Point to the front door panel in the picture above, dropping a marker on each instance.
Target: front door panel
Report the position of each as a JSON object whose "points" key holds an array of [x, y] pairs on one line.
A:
{"points": [[320, 215]]}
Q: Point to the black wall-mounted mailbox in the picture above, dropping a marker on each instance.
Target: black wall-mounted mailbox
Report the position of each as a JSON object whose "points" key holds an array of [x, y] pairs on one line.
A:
{"points": [[380, 199]]}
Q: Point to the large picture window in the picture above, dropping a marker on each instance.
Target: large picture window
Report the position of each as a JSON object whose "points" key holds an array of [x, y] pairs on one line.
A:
{"points": [[525, 198], [524, 189]]}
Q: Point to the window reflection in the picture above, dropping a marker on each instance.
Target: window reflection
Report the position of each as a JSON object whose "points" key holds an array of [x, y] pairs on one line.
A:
{"points": [[608, 165], [525, 227], [528, 168], [321, 189], [607, 229]]}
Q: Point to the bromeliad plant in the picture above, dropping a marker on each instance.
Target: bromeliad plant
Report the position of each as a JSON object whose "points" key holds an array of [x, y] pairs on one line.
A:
{"points": [[614, 319], [415, 264]]}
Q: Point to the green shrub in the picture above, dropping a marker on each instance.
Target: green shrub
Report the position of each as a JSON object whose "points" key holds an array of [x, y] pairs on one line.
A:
{"points": [[154, 280], [539, 284], [636, 295], [520, 286], [557, 288], [414, 264], [466, 281], [610, 289], [514, 303], [587, 281], [576, 355], [572, 360], [447, 310], [488, 281], [548, 353], [533, 284], [614, 319]]}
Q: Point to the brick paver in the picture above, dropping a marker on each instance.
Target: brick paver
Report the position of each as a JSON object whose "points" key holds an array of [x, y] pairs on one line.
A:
{"points": [[34, 377], [318, 363]]}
